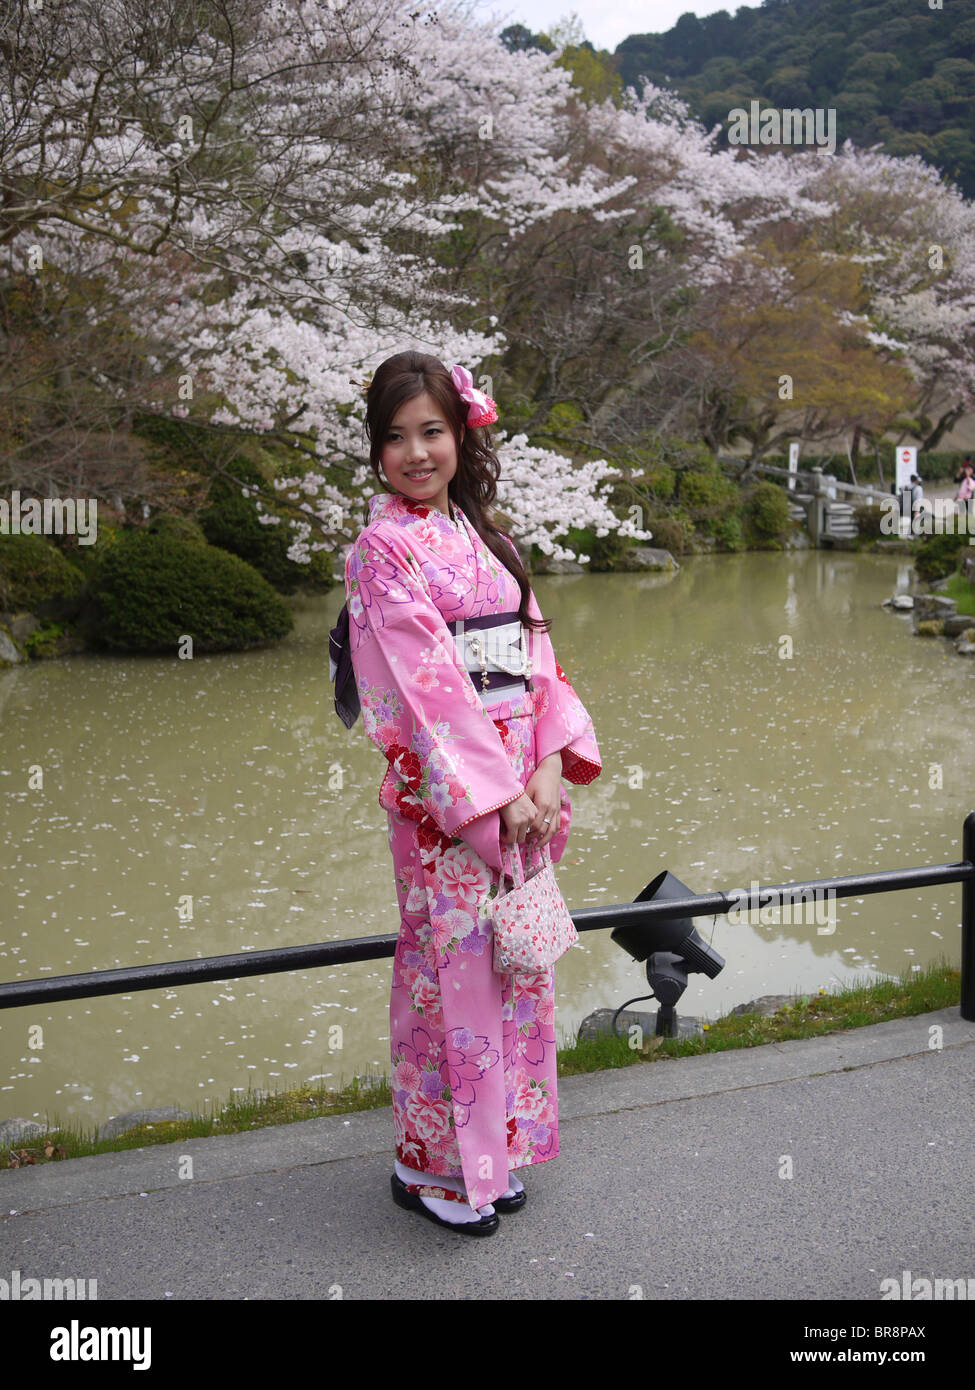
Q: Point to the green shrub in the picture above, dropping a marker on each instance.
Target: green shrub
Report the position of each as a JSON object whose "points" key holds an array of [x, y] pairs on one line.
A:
{"points": [[85, 557], [149, 591], [938, 556], [707, 489], [231, 522], [695, 455], [767, 512], [37, 578], [660, 482], [671, 531], [606, 551], [180, 528], [939, 466], [563, 417], [43, 641], [868, 521], [726, 530]]}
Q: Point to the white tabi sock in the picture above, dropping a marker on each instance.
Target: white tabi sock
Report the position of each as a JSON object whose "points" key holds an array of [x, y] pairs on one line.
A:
{"points": [[514, 1186], [457, 1213]]}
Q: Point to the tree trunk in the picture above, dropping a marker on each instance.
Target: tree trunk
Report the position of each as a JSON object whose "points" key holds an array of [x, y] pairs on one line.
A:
{"points": [[947, 422]]}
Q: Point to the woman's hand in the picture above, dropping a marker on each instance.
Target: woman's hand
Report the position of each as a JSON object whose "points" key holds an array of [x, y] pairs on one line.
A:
{"points": [[519, 816], [545, 791], [540, 801]]}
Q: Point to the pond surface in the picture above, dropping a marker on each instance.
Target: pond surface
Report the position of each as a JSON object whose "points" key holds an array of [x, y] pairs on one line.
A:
{"points": [[229, 784]]}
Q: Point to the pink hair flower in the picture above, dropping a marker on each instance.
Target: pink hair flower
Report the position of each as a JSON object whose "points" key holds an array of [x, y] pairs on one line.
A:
{"points": [[483, 410]]}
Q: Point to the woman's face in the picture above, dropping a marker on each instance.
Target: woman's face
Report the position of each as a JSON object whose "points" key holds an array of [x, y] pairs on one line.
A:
{"points": [[418, 455]]}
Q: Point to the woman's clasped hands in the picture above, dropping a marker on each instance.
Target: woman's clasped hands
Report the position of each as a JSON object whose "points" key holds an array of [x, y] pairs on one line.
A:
{"points": [[536, 813]]}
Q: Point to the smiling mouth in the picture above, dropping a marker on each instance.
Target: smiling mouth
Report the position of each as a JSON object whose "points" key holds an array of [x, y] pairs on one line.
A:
{"points": [[419, 477]]}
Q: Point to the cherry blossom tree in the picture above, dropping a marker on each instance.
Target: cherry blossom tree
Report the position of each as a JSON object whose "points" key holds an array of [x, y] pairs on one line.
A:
{"points": [[914, 236], [230, 214]]}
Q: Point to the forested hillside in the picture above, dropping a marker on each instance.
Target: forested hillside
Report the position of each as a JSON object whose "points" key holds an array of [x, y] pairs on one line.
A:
{"points": [[897, 73]]}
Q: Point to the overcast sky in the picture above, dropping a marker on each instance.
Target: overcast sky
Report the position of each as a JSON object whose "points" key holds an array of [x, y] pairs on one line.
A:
{"points": [[606, 22]]}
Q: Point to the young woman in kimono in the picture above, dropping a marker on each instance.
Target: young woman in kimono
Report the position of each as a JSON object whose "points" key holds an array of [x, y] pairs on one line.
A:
{"points": [[473, 1052]]}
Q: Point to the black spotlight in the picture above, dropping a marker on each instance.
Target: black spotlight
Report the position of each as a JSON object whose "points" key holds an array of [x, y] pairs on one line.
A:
{"points": [[672, 949]]}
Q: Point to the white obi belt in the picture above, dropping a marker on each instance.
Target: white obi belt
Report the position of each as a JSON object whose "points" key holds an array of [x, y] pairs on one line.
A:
{"points": [[494, 652]]}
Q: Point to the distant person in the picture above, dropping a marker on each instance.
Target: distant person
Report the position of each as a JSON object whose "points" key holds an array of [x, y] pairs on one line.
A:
{"points": [[966, 491], [917, 499], [966, 463]]}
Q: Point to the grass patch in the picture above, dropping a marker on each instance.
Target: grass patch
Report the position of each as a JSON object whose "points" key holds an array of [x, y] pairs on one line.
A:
{"points": [[938, 986], [958, 588], [257, 1110], [809, 1016]]}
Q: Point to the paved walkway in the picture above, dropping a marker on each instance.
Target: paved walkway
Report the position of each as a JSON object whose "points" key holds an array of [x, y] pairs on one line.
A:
{"points": [[672, 1184]]}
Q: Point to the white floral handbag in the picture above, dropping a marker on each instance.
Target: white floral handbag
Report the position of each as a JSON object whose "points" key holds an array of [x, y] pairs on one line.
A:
{"points": [[532, 925]]}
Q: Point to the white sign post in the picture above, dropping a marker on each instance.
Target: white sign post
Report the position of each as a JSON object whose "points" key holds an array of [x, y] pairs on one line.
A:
{"points": [[793, 464]]}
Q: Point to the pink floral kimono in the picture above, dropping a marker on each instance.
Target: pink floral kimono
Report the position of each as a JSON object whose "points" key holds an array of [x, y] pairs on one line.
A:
{"points": [[473, 1056]]}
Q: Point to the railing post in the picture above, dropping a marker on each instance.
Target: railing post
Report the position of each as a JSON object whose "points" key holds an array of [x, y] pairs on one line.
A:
{"points": [[815, 518], [968, 923]]}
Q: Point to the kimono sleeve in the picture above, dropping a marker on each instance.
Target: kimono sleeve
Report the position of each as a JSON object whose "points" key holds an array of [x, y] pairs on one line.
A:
{"points": [[448, 768], [562, 723]]}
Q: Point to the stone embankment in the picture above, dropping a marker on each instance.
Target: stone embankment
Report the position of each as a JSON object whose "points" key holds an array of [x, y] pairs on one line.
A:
{"points": [[936, 615]]}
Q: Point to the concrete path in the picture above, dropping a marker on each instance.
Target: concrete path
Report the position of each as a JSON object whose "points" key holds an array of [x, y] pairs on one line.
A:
{"points": [[808, 1170]]}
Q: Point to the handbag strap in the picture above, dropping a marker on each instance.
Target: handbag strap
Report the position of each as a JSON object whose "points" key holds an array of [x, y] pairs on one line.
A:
{"points": [[512, 850]]}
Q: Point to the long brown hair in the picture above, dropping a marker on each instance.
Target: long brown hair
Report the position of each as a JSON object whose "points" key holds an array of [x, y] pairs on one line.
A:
{"points": [[474, 485]]}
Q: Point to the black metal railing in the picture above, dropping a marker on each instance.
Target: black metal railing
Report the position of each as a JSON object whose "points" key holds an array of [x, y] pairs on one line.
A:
{"points": [[17, 993]]}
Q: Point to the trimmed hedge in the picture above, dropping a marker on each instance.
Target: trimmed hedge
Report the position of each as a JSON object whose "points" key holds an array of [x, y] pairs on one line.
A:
{"points": [[766, 508], [180, 528], [150, 591], [939, 556], [35, 577]]}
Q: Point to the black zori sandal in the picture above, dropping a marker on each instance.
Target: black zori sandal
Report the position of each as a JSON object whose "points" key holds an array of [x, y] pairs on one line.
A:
{"points": [[410, 1201], [507, 1204]]}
